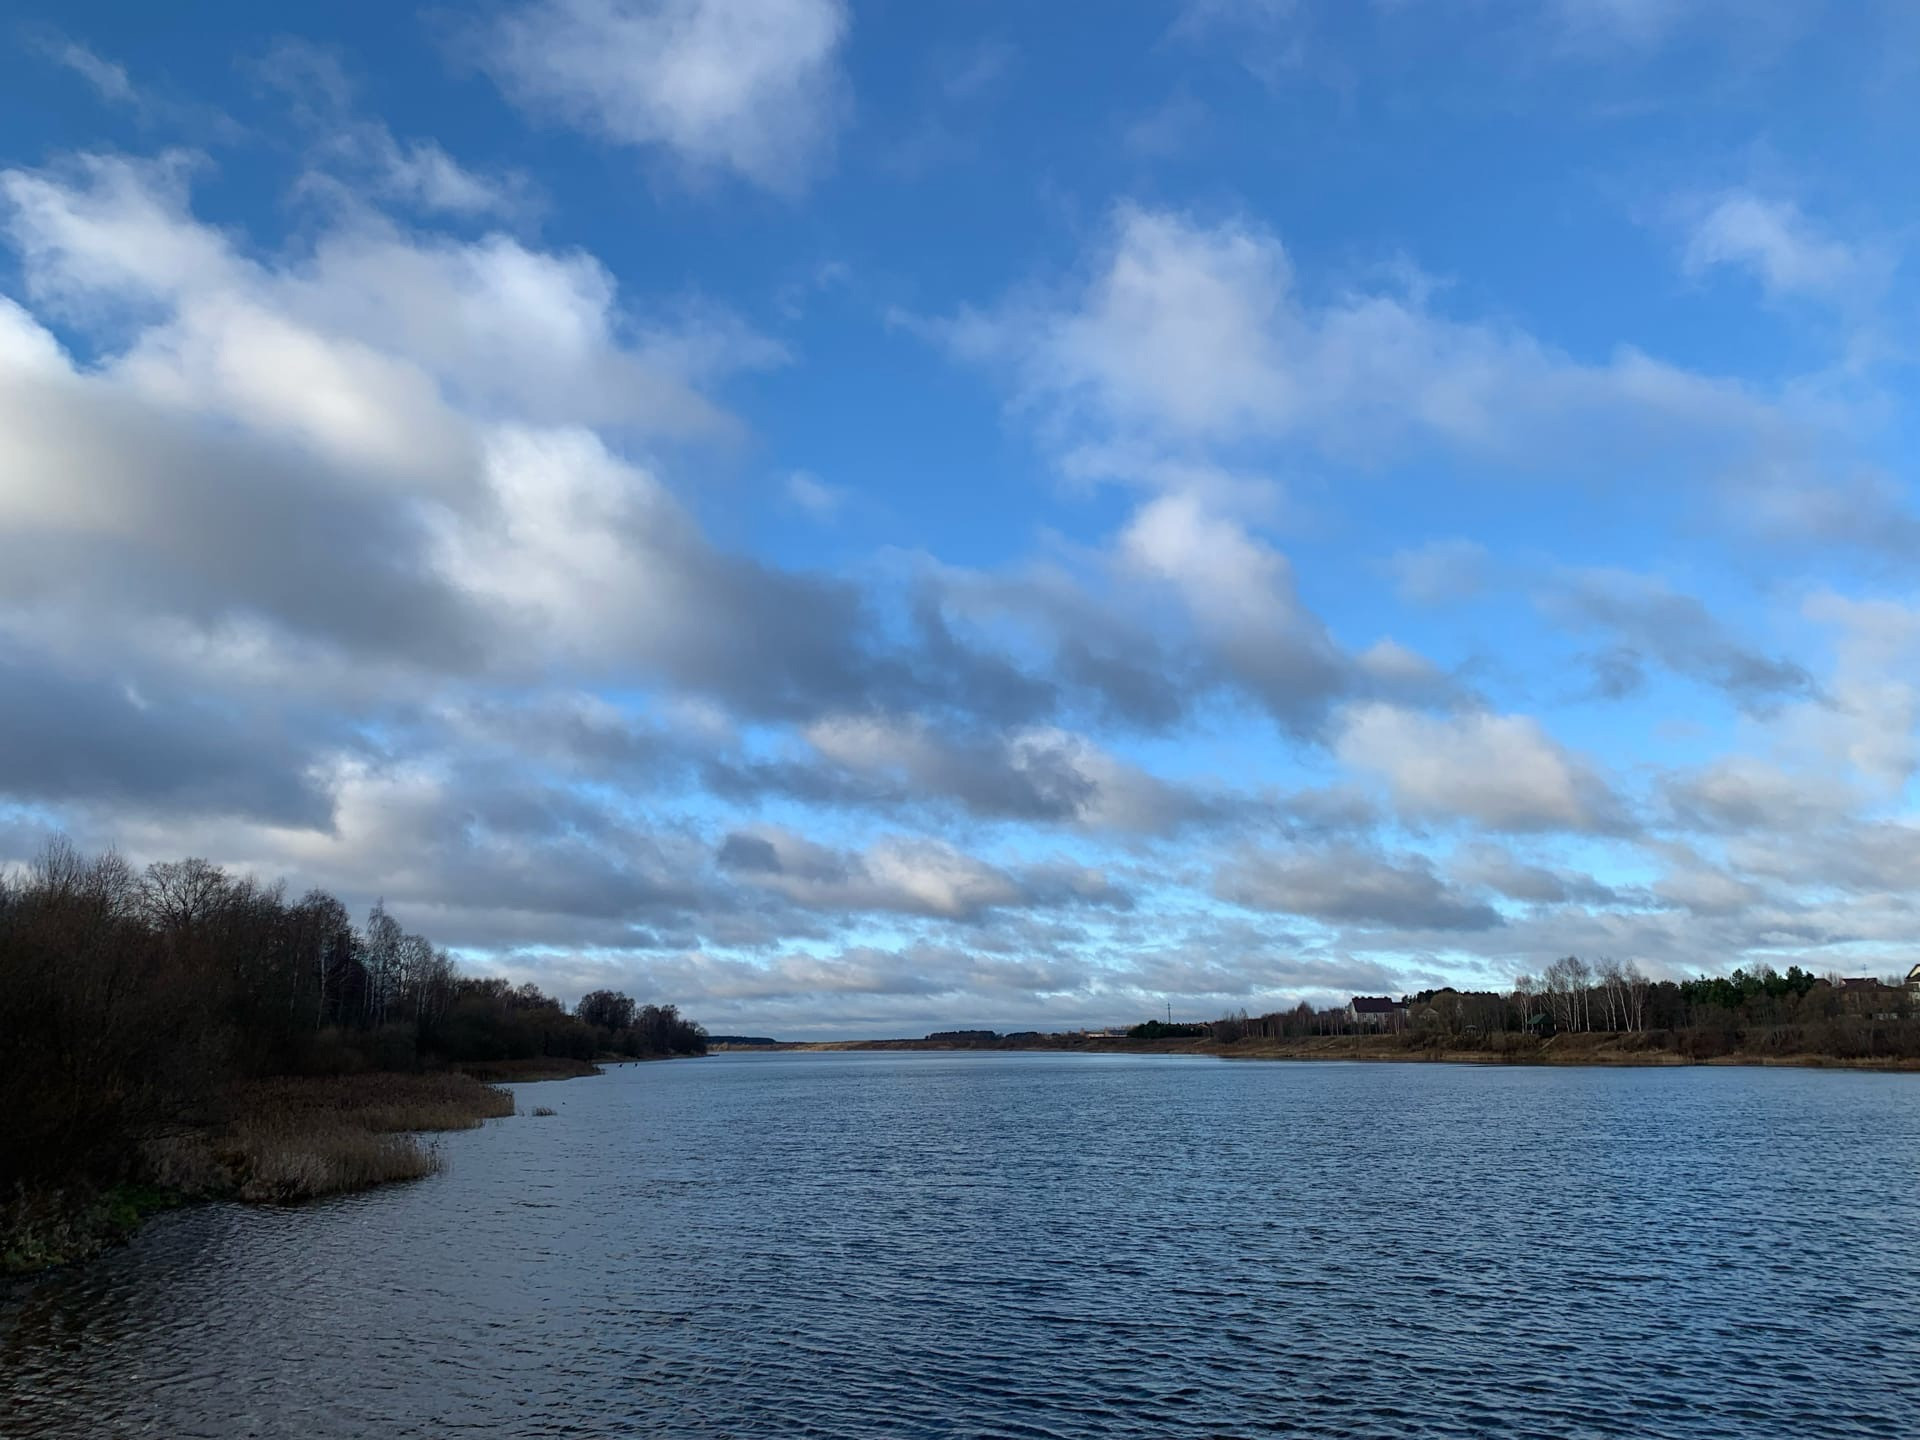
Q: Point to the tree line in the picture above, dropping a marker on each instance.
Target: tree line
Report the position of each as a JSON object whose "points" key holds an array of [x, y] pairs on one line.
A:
{"points": [[1759, 1010], [132, 1000]]}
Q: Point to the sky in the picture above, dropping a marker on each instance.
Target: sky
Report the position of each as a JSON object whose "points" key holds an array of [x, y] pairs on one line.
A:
{"points": [[858, 517]]}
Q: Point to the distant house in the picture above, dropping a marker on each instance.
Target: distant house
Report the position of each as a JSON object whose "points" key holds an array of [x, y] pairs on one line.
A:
{"points": [[1375, 1012], [1913, 982], [1874, 999]]}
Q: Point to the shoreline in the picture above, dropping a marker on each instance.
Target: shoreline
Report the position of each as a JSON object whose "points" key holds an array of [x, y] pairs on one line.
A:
{"points": [[283, 1142], [1376, 1050]]}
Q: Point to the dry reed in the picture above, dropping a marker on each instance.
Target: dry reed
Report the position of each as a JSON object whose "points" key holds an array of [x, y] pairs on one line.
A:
{"points": [[295, 1139]]}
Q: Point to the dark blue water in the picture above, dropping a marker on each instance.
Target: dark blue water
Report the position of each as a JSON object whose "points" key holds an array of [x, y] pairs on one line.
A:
{"points": [[1047, 1245]]}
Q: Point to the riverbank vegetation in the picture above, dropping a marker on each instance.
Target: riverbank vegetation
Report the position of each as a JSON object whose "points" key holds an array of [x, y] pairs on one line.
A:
{"points": [[1572, 1014], [184, 1031], [1586, 1014]]}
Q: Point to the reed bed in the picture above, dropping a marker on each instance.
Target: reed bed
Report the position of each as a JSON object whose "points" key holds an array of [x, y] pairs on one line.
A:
{"points": [[297, 1139]]}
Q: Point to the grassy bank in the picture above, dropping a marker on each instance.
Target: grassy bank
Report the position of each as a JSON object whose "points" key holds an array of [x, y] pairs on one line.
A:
{"points": [[275, 1142], [1586, 1048], [1643, 1048]]}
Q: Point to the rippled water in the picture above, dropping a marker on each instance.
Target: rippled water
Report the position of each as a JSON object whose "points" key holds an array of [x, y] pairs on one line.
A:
{"points": [[1038, 1245]]}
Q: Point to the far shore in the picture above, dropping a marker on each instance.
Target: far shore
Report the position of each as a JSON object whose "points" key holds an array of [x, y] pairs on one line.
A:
{"points": [[1590, 1049]]}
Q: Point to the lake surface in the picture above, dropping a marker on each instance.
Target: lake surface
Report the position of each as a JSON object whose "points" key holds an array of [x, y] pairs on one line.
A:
{"points": [[1046, 1245]]}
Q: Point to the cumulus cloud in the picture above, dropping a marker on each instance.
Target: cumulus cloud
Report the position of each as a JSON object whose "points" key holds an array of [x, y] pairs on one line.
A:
{"points": [[1744, 793], [1241, 596], [1034, 773], [1353, 886], [752, 89], [387, 549], [67, 735], [410, 517], [1490, 866], [1501, 771], [1183, 331], [909, 874], [1867, 719]]}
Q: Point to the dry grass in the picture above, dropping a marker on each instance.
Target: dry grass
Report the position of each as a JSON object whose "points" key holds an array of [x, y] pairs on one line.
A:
{"points": [[384, 1103], [282, 1141], [295, 1139], [278, 1165]]}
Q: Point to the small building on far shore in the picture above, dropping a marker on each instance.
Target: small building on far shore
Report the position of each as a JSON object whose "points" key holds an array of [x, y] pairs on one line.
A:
{"points": [[1376, 1012], [1874, 999]]}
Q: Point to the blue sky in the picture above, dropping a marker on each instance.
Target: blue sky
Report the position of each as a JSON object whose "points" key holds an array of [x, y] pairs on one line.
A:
{"points": [[862, 517]]}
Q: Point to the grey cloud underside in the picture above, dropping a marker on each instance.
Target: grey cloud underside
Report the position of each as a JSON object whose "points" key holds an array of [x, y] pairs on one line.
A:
{"points": [[67, 737], [1350, 886], [909, 876], [1495, 868], [1650, 622], [131, 509]]}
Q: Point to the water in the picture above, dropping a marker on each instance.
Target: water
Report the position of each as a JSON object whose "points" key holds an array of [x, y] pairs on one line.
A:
{"points": [[1046, 1245]]}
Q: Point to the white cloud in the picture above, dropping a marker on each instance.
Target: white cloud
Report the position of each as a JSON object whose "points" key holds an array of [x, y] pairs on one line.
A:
{"points": [[914, 875], [1779, 246], [1033, 773], [1748, 793], [1501, 771], [1866, 720], [428, 410], [362, 156], [107, 77], [371, 321], [1351, 885], [1240, 593], [1186, 334], [814, 495], [748, 86], [421, 173]]}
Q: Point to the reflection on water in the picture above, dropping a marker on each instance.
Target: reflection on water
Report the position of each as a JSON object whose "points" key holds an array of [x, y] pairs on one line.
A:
{"points": [[1035, 1245]]}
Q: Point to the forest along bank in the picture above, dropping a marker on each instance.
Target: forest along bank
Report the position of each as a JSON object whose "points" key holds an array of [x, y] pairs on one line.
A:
{"points": [[183, 1033]]}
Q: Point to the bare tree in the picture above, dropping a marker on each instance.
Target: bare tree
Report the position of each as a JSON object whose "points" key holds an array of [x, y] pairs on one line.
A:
{"points": [[179, 895], [1580, 977], [1524, 999], [380, 953], [1613, 993], [1637, 986]]}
